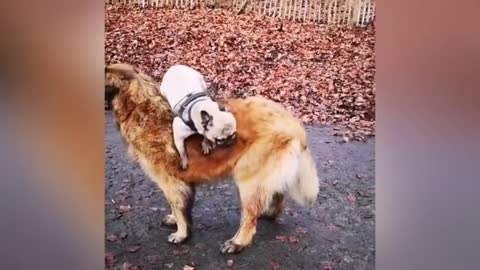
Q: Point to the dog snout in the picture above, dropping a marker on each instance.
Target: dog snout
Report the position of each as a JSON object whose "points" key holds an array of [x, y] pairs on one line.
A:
{"points": [[230, 139]]}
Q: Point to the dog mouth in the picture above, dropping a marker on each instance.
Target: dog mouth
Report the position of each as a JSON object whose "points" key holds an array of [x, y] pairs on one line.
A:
{"points": [[227, 141]]}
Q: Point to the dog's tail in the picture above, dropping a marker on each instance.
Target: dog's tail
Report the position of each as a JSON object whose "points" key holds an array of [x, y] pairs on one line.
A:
{"points": [[306, 187]]}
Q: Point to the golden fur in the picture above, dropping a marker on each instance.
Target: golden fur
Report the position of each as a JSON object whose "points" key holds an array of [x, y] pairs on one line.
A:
{"points": [[269, 158]]}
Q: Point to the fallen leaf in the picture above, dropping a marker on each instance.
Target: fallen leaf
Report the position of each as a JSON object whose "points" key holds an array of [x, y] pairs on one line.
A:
{"points": [[280, 237], [274, 265], [123, 235], [293, 239], [133, 249], [351, 198], [129, 266], [229, 263], [109, 259], [153, 208], [327, 266], [125, 208], [112, 237]]}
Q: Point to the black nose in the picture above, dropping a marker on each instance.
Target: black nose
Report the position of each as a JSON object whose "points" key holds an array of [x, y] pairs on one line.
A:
{"points": [[231, 139]]}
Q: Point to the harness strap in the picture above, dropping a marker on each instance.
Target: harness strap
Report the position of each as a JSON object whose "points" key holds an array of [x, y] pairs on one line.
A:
{"points": [[188, 101]]}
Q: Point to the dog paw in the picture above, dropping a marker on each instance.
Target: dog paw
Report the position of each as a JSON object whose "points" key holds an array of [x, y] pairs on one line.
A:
{"points": [[169, 220], [183, 165], [206, 148], [176, 238], [229, 247]]}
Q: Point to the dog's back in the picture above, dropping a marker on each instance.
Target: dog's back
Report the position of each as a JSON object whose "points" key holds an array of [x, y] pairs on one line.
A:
{"points": [[179, 81]]}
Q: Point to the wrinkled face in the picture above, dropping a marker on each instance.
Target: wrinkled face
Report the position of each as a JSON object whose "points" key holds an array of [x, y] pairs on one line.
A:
{"points": [[220, 128]]}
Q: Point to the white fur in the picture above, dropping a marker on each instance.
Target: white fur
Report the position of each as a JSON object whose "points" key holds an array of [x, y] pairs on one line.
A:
{"points": [[295, 173], [177, 83]]}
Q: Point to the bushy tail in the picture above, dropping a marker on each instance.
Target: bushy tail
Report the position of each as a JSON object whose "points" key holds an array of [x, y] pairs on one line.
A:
{"points": [[306, 188]]}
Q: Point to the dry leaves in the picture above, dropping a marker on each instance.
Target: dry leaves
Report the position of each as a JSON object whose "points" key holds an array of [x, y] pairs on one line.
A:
{"points": [[280, 237], [275, 265], [112, 237], [293, 239], [323, 74], [133, 249], [125, 208], [109, 260], [351, 197], [129, 266]]}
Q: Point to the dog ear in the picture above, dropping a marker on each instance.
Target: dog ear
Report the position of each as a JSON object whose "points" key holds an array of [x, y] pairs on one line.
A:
{"points": [[222, 107], [206, 119], [123, 71]]}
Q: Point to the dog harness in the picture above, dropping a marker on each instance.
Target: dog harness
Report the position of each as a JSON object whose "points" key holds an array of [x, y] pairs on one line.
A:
{"points": [[188, 101]]}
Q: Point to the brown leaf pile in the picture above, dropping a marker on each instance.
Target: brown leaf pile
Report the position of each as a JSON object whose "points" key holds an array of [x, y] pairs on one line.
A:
{"points": [[323, 74]]}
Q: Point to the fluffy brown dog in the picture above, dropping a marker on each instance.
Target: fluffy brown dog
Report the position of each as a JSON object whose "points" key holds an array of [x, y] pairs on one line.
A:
{"points": [[269, 159]]}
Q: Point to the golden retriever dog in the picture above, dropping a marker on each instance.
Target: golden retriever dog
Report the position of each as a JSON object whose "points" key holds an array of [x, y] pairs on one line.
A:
{"points": [[270, 157]]}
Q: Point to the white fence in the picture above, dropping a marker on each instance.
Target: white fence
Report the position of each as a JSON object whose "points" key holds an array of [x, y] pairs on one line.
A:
{"points": [[347, 12]]}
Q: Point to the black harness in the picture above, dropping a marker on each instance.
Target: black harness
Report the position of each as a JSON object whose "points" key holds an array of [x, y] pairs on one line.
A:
{"points": [[188, 101]]}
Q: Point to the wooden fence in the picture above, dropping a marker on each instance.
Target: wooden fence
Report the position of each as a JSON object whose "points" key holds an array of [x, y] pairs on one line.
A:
{"points": [[347, 12]]}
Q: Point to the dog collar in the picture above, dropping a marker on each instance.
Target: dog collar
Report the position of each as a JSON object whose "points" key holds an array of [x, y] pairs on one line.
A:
{"points": [[188, 101]]}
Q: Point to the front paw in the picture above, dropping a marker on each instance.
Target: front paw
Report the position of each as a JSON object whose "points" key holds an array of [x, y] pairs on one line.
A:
{"points": [[176, 238], [206, 147], [229, 247], [184, 164]]}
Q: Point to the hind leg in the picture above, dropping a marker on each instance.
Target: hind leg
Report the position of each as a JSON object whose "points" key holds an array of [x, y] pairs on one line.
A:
{"points": [[180, 196], [254, 201], [275, 207]]}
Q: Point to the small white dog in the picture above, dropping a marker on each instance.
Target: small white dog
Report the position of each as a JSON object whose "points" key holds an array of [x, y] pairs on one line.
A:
{"points": [[195, 112]]}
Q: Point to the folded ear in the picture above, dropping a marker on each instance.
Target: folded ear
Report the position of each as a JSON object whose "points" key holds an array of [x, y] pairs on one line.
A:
{"points": [[206, 119], [123, 71], [222, 107]]}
